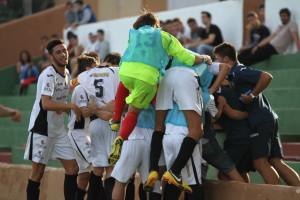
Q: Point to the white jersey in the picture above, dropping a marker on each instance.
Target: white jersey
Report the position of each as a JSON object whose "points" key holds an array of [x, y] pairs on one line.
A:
{"points": [[100, 83], [50, 83], [79, 97]]}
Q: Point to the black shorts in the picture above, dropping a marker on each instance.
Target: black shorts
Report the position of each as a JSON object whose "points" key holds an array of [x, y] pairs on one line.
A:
{"points": [[239, 152], [265, 141], [215, 156]]}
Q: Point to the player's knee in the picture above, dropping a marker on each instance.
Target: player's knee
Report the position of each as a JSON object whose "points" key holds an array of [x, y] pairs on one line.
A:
{"points": [[72, 169], [98, 171]]}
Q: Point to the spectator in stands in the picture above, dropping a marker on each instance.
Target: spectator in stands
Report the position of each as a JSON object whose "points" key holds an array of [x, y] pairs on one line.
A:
{"points": [[54, 36], [94, 43], [45, 62], [70, 16], [261, 13], [103, 45], [170, 28], [183, 35], [256, 32], [15, 115], [266, 148], [75, 50], [28, 73], [276, 43], [209, 38], [84, 14], [196, 30]]}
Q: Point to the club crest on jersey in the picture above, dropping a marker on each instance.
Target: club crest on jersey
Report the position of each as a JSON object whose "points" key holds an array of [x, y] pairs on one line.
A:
{"points": [[48, 84], [81, 97]]}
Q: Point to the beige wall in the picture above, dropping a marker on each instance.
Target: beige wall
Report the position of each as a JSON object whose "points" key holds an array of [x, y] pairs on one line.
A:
{"points": [[13, 181], [25, 33]]}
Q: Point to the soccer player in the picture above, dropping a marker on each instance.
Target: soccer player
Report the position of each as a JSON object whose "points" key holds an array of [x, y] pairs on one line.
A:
{"points": [[143, 63], [135, 155], [48, 138], [101, 85], [188, 96], [266, 149], [79, 130]]}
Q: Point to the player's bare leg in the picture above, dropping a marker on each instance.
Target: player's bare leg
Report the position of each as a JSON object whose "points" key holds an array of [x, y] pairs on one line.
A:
{"points": [[285, 172], [267, 172], [119, 191]]}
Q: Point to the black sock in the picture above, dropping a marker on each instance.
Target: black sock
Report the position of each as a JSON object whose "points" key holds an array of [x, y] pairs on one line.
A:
{"points": [[130, 190], [80, 194], [171, 192], [142, 193], [96, 189], [197, 193], [33, 191], [155, 151], [70, 187], [185, 153], [109, 184], [154, 196]]}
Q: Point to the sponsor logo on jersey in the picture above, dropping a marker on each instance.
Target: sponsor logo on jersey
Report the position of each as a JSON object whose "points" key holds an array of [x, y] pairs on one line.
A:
{"points": [[49, 75], [39, 154], [254, 135], [58, 90], [106, 74]]}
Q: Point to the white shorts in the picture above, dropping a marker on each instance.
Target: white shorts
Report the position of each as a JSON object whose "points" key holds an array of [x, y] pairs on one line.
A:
{"points": [[180, 85], [82, 149], [191, 173], [102, 139], [135, 156], [41, 149]]}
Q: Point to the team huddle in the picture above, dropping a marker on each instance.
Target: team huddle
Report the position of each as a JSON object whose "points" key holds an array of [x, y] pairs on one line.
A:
{"points": [[153, 115]]}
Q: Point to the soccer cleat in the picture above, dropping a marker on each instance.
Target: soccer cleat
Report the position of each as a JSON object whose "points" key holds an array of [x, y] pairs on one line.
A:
{"points": [[116, 151], [177, 181], [114, 125], [151, 179]]}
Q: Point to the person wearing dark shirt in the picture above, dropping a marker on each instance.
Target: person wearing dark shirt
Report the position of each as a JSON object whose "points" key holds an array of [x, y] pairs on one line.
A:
{"points": [[256, 32], [236, 126], [266, 148], [209, 38]]}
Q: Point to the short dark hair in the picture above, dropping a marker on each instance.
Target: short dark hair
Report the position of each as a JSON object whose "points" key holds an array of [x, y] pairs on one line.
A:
{"points": [[207, 14], [168, 22], [84, 61], [100, 31], [28, 57], [177, 20], [73, 36], [252, 14], [113, 58], [147, 18], [226, 49], [69, 34], [285, 10], [261, 6], [52, 44], [93, 54], [79, 2], [191, 20]]}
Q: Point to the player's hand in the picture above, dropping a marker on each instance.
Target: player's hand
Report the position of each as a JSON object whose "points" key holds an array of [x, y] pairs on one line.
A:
{"points": [[208, 59], [77, 112], [16, 116], [92, 107], [111, 106], [246, 99]]}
